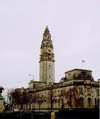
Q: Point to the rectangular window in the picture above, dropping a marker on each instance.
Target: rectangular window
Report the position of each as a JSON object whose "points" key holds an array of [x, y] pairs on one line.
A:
{"points": [[58, 92], [81, 91], [97, 92], [88, 91]]}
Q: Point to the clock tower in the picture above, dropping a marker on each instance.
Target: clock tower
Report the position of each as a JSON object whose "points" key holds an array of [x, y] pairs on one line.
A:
{"points": [[47, 62]]}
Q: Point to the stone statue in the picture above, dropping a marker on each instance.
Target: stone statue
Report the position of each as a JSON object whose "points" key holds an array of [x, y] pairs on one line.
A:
{"points": [[1, 88]]}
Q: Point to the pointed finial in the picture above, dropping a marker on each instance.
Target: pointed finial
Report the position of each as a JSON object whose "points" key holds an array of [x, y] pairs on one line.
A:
{"points": [[46, 30]]}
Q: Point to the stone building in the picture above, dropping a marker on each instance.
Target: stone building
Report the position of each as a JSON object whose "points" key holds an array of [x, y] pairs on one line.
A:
{"points": [[76, 90], [1, 100]]}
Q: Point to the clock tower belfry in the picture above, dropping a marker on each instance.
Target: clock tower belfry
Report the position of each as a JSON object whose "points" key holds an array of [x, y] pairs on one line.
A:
{"points": [[47, 62]]}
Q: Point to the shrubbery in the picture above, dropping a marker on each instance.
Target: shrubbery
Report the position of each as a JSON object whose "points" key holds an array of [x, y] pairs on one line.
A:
{"points": [[24, 115], [62, 114]]}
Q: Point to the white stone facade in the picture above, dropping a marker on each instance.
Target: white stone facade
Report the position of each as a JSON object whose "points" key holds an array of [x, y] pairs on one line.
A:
{"points": [[47, 72], [68, 94]]}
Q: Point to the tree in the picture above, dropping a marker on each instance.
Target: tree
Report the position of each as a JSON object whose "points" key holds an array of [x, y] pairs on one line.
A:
{"points": [[33, 100], [9, 105], [25, 98], [39, 100], [71, 96], [15, 97], [19, 97], [50, 98]]}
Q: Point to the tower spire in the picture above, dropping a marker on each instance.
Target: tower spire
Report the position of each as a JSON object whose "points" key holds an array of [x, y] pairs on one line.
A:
{"points": [[46, 34], [47, 62], [46, 29]]}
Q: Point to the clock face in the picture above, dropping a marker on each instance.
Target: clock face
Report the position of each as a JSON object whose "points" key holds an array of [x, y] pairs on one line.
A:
{"points": [[49, 50]]}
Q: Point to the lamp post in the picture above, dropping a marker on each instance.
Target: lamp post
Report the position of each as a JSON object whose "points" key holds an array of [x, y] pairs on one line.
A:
{"points": [[51, 98]]}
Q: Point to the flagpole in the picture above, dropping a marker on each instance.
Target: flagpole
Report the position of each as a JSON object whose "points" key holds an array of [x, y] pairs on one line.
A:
{"points": [[83, 64]]}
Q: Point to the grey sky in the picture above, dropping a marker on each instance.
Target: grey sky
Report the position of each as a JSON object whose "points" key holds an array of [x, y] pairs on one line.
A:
{"points": [[75, 29]]}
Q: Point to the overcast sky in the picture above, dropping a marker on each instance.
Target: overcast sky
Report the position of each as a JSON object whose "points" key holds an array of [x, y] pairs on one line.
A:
{"points": [[75, 31]]}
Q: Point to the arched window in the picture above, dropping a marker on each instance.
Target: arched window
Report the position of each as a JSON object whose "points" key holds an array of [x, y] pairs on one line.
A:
{"points": [[81, 102]]}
